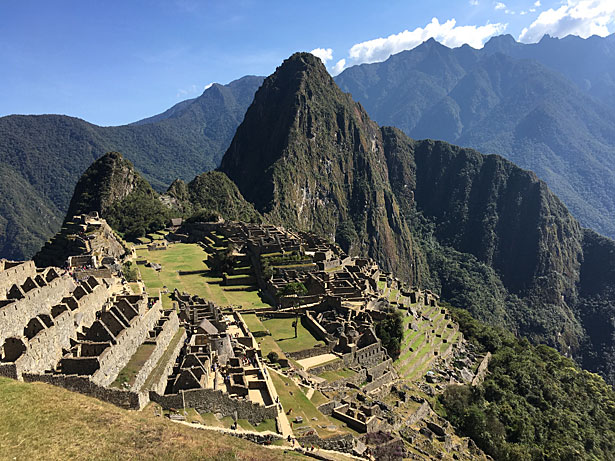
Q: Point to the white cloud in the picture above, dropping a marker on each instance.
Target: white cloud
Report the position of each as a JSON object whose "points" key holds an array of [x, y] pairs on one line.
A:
{"points": [[325, 54], [507, 11], [338, 67], [532, 10], [537, 3], [448, 34], [576, 17], [473, 2], [184, 92], [523, 12], [500, 6]]}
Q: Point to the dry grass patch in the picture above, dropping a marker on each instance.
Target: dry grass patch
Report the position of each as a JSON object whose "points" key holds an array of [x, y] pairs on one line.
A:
{"points": [[46, 422]]}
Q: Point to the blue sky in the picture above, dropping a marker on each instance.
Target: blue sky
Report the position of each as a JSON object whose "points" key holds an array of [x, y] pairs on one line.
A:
{"points": [[115, 62]]}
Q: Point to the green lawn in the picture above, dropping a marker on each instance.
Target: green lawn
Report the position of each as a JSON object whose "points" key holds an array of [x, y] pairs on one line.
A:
{"points": [[335, 375], [191, 257], [284, 334], [266, 425], [292, 397], [318, 399], [129, 373]]}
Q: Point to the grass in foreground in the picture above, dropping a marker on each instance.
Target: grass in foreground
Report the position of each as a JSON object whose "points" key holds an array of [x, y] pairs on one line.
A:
{"points": [[46, 422]]}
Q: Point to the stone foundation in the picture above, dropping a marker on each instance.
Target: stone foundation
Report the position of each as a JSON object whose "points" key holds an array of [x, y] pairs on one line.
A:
{"points": [[216, 401]]}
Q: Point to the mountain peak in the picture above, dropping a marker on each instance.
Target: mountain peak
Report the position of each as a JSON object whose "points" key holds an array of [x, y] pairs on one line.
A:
{"points": [[108, 180], [501, 43], [309, 157]]}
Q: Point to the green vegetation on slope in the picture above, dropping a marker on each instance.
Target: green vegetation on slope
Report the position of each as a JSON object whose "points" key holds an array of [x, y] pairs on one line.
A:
{"points": [[112, 187], [211, 194], [534, 403], [48, 153]]}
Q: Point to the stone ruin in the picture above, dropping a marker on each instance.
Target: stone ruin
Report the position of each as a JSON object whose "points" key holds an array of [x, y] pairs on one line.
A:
{"points": [[219, 368], [78, 334]]}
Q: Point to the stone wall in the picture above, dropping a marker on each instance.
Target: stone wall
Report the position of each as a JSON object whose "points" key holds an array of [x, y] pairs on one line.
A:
{"points": [[331, 366], [353, 423], [377, 371], [344, 443], [16, 274], [482, 370], [369, 356], [327, 408], [16, 315], [83, 385], [44, 350], [160, 386], [383, 380], [419, 414], [169, 329], [307, 353], [115, 358], [315, 328], [8, 370], [216, 401]]}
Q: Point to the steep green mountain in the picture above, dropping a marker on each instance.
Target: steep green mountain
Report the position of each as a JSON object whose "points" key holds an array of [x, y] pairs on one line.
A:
{"points": [[47, 154], [310, 158], [117, 192], [486, 234], [536, 112], [28, 219], [211, 193], [112, 187]]}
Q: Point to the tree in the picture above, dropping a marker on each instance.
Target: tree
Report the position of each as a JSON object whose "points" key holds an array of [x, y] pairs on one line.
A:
{"points": [[129, 271], [293, 288], [296, 323], [390, 330], [273, 356], [223, 261]]}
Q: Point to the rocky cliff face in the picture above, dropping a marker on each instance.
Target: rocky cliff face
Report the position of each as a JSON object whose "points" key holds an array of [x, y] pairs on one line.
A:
{"points": [[310, 158], [546, 106], [108, 180], [488, 235]]}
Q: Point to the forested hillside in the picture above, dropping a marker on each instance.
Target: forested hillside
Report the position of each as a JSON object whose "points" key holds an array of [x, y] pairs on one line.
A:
{"points": [[46, 155], [540, 105]]}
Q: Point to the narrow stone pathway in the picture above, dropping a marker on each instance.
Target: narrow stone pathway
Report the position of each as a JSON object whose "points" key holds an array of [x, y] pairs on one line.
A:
{"points": [[330, 454]]}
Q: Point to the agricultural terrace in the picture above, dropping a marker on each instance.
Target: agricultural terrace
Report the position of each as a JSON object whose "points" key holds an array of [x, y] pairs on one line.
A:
{"points": [[196, 279], [297, 404]]}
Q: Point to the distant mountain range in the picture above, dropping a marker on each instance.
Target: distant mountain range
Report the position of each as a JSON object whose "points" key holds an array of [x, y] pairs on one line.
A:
{"points": [[548, 107], [42, 157], [545, 106]]}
